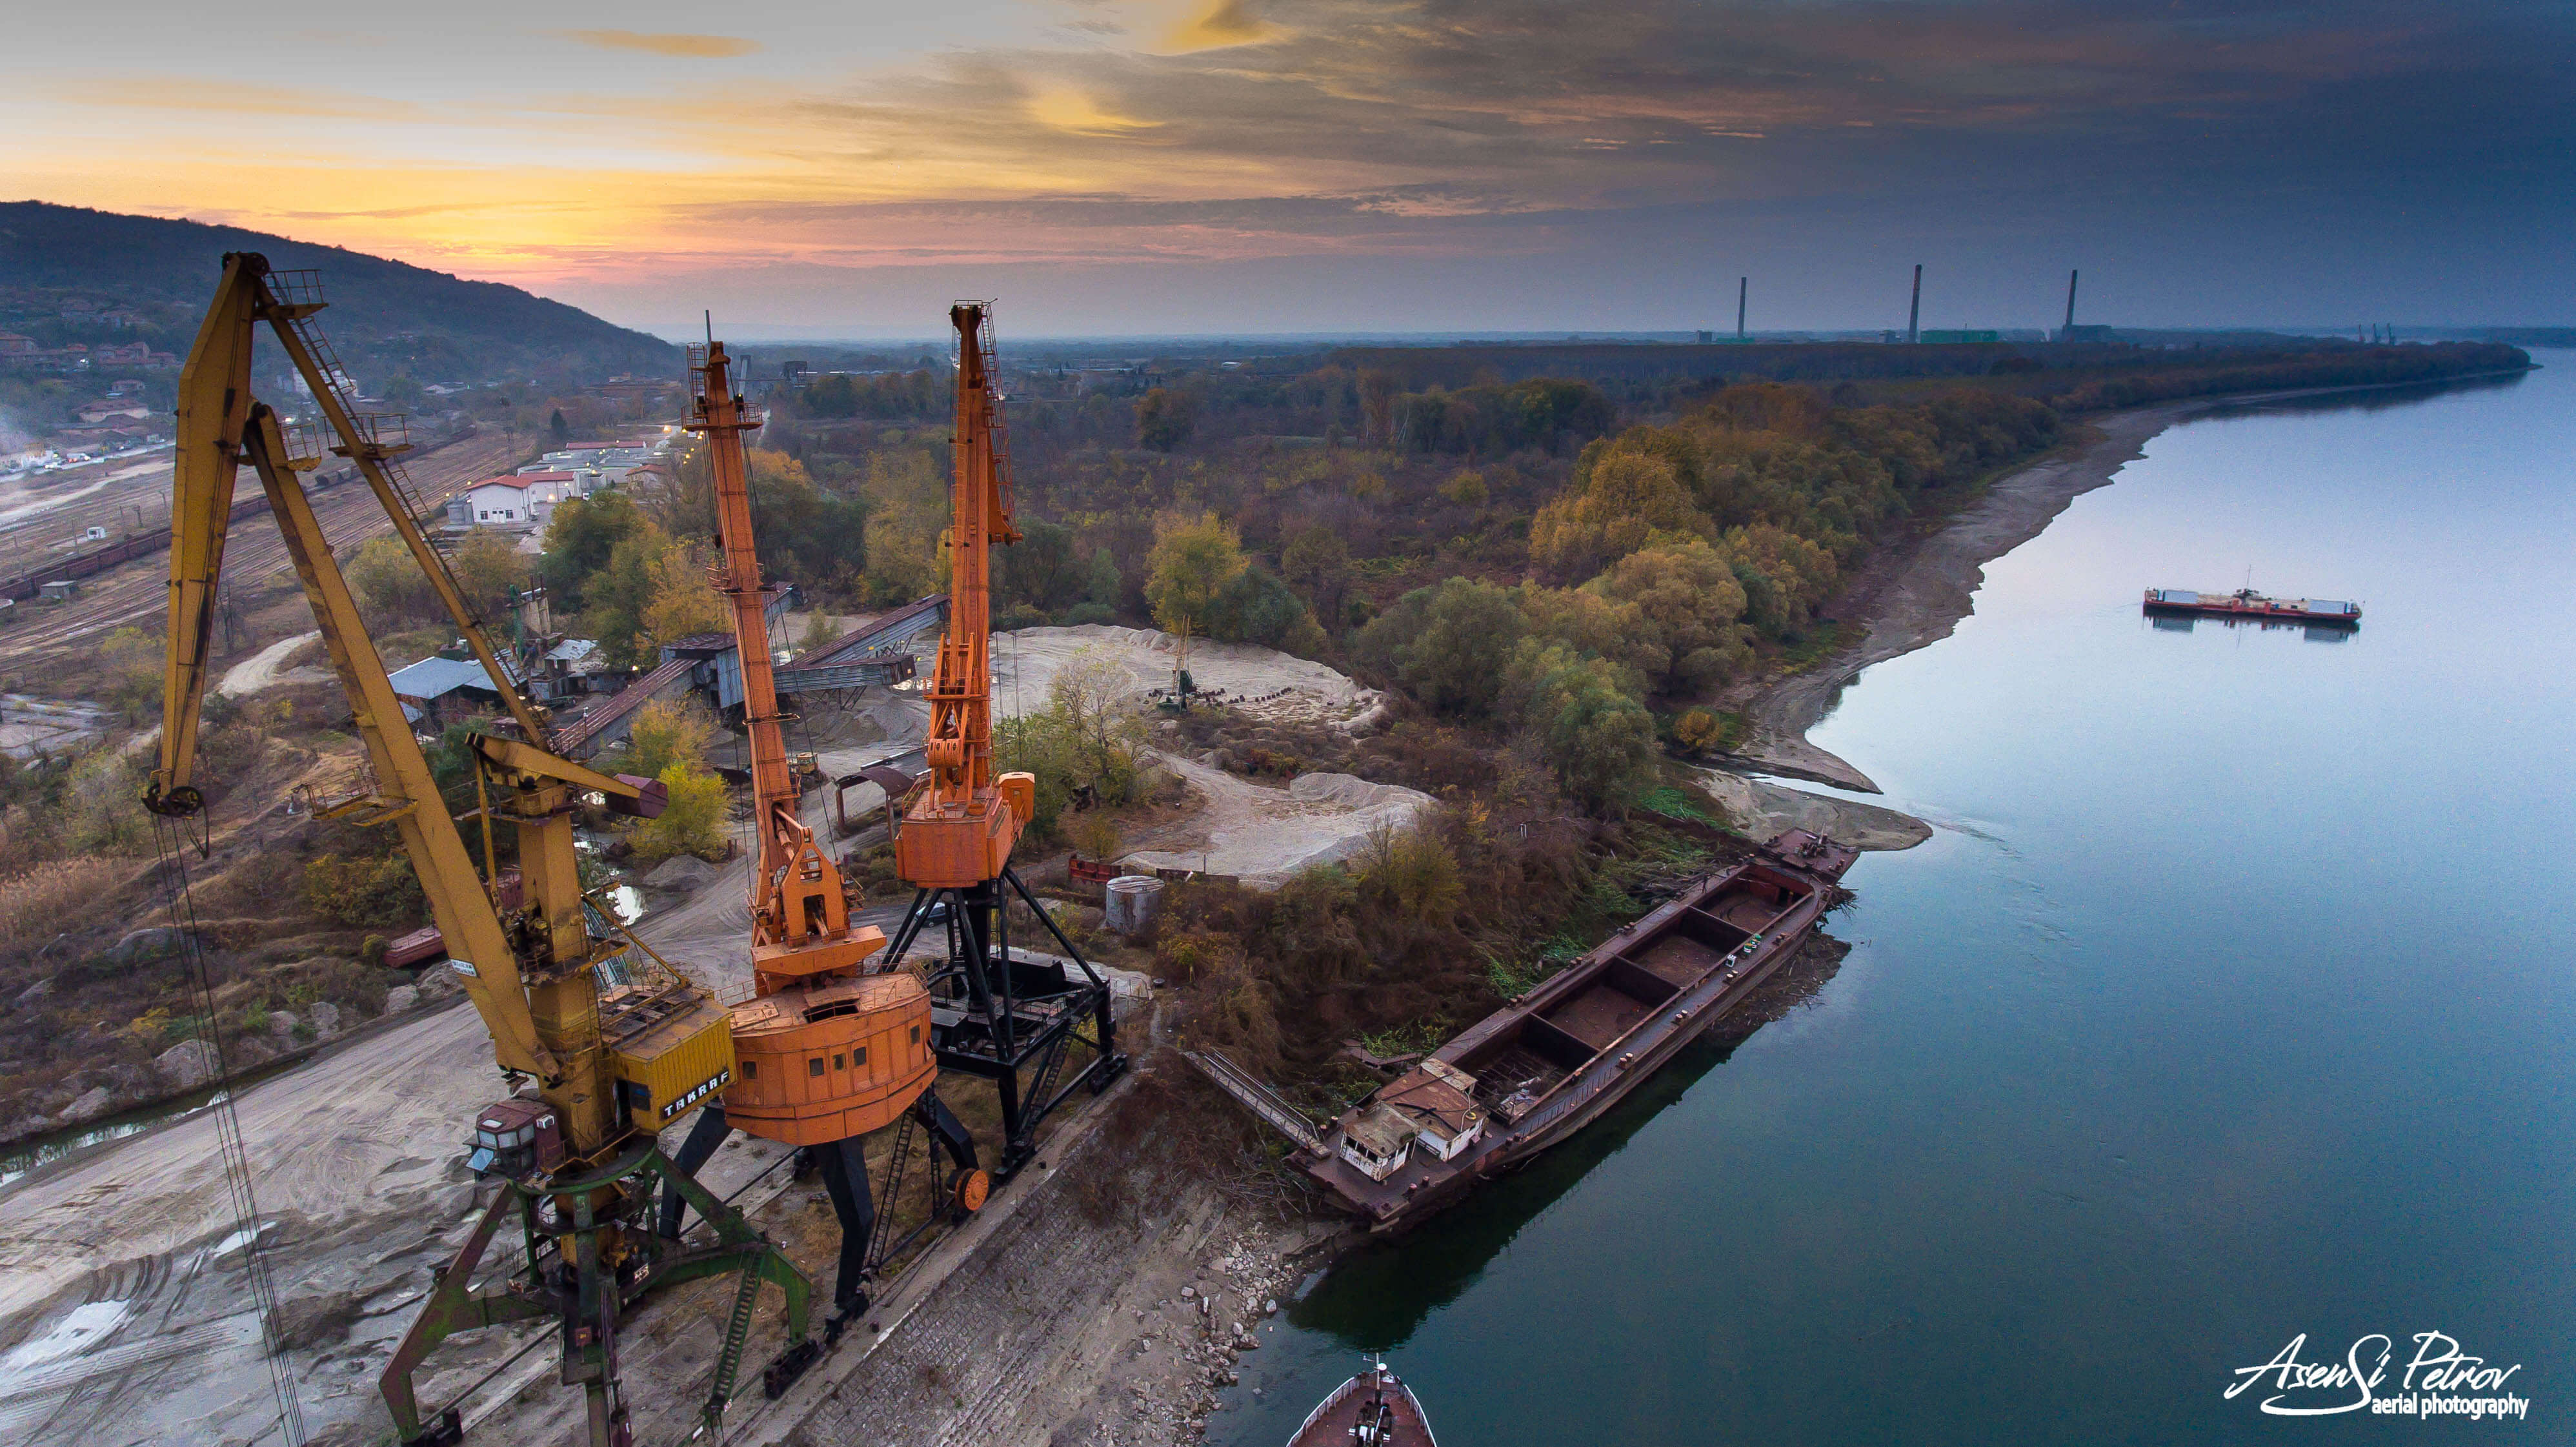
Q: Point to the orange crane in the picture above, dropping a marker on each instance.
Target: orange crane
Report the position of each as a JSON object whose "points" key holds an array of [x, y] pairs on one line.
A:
{"points": [[835, 1042], [1010, 1016]]}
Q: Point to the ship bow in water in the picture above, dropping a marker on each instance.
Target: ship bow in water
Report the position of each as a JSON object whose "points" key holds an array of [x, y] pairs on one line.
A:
{"points": [[1373, 1409]]}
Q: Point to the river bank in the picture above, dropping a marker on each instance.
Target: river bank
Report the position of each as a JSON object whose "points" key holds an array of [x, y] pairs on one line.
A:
{"points": [[1915, 591]]}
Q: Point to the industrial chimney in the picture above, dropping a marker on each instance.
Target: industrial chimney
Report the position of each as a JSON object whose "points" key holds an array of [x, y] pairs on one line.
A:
{"points": [[2070, 306], [1914, 313], [1742, 283]]}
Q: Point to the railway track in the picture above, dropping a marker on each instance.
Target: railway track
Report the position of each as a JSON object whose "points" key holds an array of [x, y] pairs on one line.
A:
{"points": [[254, 555]]}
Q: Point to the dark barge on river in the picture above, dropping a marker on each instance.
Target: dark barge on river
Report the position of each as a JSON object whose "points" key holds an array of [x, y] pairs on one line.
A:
{"points": [[1541, 1068], [2249, 606]]}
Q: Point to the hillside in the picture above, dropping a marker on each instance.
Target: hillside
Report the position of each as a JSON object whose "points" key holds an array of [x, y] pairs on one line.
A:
{"points": [[386, 317]]}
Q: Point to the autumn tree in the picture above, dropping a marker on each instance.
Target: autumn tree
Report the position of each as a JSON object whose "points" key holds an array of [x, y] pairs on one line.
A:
{"points": [[683, 602], [692, 820], [132, 660], [907, 502], [1685, 600], [1165, 418], [1627, 500], [488, 567], [1377, 405], [666, 733], [1194, 558], [389, 584]]}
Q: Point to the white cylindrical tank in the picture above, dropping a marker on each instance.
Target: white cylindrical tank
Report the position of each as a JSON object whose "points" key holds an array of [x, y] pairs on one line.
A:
{"points": [[1133, 902]]}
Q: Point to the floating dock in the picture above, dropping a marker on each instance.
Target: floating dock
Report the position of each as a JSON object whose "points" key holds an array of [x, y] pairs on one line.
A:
{"points": [[2246, 604]]}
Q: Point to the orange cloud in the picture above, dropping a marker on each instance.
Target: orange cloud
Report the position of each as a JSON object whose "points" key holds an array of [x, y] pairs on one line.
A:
{"points": [[693, 47]]}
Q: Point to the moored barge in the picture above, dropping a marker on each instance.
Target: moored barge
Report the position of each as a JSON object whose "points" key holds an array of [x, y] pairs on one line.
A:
{"points": [[1543, 1067], [2246, 604]]}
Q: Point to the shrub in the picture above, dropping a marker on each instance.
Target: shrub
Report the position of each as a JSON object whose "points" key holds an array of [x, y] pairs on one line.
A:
{"points": [[1699, 731], [382, 892], [35, 903], [1408, 874]]}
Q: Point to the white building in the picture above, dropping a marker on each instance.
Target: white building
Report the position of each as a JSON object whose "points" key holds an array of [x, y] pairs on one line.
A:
{"points": [[517, 500]]}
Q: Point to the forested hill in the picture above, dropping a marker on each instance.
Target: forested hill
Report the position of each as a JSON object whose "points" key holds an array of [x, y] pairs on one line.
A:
{"points": [[385, 316]]}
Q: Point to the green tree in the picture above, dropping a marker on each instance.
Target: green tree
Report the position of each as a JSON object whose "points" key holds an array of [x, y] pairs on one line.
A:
{"points": [[806, 534], [1086, 744], [1258, 608], [580, 539], [1448, 645], [691, 822], [1194, 558], [1165, 418], [619, 592], [1103, 586], [559, 429], [1597, 739], [1041, 570]]}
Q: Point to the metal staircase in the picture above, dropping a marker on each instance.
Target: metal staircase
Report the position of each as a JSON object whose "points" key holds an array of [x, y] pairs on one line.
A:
{"points": [[1258, 1098], [737, 1337]]}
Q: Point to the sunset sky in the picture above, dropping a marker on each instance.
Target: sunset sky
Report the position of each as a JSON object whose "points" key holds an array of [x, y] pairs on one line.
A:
{"points": [[1173, 166]]}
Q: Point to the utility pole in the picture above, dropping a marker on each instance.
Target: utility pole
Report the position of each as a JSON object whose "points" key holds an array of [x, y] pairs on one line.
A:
{"points": [[2070, 305], [1742, 284], [1914, 313]]}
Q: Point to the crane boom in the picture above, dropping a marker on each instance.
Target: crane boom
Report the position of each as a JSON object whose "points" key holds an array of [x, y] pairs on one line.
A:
{"points": [[960, 828], [618, 1045]]}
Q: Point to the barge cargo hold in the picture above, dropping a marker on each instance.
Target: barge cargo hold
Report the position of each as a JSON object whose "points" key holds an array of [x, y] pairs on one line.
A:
{"points": [[2247, 605], [1543, 1067]]}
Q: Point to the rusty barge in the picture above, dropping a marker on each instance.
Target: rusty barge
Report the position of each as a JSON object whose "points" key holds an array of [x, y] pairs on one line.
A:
{"points": [[1541, 1068], [2247, 605]]}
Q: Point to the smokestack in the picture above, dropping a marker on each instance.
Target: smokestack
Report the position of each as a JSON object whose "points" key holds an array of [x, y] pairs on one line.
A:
{"points": [[1914, 313], [1742, 285], [2070, 304]]}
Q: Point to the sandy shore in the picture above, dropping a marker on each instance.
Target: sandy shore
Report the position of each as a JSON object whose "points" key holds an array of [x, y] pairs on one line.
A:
{"points": [[1916, 593]]}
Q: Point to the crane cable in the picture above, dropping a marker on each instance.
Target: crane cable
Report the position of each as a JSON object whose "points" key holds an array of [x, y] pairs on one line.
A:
{"points": [[168, 838]]}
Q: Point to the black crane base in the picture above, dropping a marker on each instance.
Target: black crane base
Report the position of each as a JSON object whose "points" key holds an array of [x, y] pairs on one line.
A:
{"points": [[1009, 1015]]}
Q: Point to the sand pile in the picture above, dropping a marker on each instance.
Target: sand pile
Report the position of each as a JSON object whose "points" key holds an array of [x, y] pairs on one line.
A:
{"points": [[1255, 681]]}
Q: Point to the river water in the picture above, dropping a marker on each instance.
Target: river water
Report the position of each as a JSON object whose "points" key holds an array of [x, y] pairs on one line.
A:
{"points": [[2232, 1002]]}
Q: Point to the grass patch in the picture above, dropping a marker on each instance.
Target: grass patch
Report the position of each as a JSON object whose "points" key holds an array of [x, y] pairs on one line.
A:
{"points": [[1674, 802]]}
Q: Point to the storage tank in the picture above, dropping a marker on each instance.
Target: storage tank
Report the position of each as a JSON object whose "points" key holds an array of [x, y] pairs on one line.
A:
{"points": [[1133, 902]]}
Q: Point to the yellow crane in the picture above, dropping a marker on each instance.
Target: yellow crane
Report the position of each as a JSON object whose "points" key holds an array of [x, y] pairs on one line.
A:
{"points": [[604, 1043]]}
